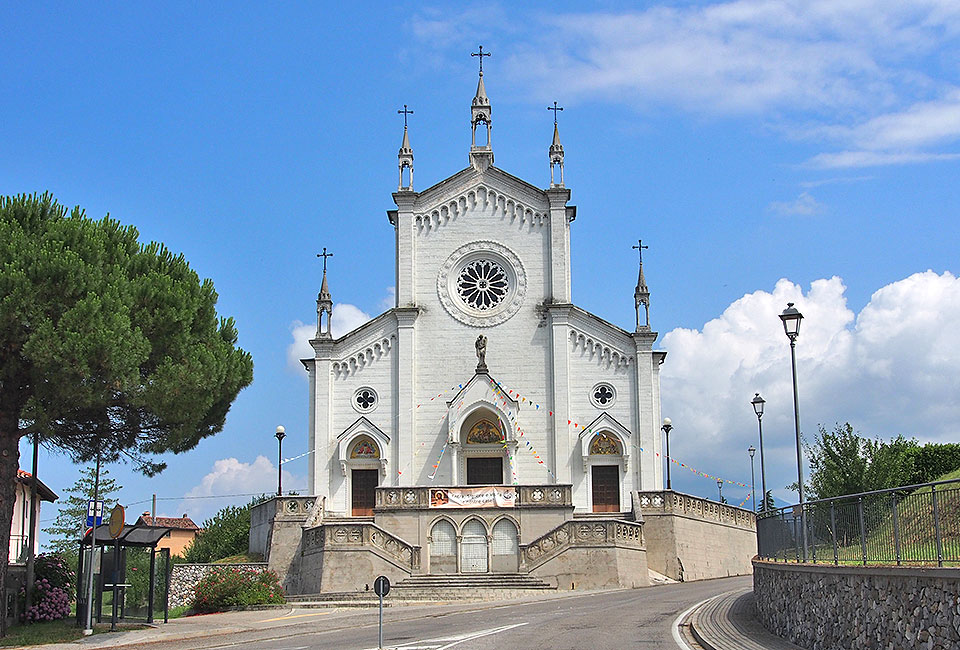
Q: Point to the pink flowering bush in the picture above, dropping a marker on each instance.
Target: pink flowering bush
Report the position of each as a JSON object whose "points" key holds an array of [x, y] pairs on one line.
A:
{"points": [[53, 590], [227, 586]]}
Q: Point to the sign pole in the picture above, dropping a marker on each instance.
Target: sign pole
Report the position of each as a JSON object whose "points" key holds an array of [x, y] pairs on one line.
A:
{"points": [[87, 631], [381, 587]]}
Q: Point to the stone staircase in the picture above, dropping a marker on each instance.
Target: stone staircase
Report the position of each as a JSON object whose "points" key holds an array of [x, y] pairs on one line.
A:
{"points": [[439, 588]]}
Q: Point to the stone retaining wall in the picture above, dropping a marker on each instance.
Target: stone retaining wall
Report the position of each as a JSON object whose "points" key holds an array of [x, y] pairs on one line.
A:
{"points": [[823, 607], [184, 577]]}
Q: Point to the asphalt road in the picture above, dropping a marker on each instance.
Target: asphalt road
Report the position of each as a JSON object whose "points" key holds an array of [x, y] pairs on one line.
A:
{"points": [[636, 618]]}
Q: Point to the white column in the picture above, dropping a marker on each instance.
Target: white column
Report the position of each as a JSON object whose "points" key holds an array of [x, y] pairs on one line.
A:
{"points": [[559, 262], [559, 438], [649, 467], [405, 381], [406, 252], [321, 417]]}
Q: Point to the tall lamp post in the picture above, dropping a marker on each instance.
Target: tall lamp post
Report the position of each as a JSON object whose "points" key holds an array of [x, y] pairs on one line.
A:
{"points": [[720, 488], [280, 435], [791, 318], [667, 428], [758, 403], [753, 491]]}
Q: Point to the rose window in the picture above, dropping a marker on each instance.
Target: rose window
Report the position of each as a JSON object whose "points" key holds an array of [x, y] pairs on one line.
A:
{"points": [[365, 400], [603, 395], [482, 284]]}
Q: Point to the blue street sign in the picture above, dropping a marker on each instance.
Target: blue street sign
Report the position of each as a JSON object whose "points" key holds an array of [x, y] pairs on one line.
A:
{"points": [[90, 506]]}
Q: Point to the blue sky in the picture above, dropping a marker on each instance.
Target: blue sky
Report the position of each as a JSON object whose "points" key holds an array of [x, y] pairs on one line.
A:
{"points": [[766, 151]]}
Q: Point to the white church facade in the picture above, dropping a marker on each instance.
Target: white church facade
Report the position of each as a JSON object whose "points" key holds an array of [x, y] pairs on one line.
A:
{"points": [[485, 424]]}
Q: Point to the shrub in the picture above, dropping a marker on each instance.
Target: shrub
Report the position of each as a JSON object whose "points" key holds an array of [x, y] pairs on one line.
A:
{"points": [[235, 587], [53, 589]]}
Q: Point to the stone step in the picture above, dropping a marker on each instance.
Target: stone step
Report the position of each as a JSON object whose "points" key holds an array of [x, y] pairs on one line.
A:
{"points": [[442, 588]]}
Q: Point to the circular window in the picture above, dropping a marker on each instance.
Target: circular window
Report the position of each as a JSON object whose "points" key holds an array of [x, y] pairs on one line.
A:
{"points": [[365, 400], [603, 395], [482, 284]]}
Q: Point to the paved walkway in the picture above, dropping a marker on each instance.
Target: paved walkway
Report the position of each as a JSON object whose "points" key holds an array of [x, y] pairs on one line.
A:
{"points": [[727, 622]]}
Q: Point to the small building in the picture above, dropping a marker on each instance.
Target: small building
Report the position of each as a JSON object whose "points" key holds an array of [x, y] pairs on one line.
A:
{"points": [[182, 531], [20, 523]]}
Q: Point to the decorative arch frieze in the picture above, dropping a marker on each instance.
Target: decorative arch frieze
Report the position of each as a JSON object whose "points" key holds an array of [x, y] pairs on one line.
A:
{"points": [[356, 361], [480, 197], [601, 352]]}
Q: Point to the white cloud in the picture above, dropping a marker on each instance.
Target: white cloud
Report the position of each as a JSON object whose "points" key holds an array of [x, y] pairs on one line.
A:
{"points": [[345, 319], [877, 75], [229, 477], [848, 159], [804, 205], [891, 369]]}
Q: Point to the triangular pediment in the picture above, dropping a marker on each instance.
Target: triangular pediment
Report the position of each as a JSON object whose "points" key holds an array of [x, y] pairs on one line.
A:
{"points": [[494, 192]]}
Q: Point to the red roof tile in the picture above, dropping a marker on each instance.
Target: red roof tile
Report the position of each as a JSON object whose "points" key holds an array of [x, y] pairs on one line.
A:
{"points": [[180, 523]]}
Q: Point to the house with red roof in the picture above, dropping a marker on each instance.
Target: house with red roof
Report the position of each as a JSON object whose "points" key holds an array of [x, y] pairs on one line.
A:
{"points": [[182, 531], [20, 524]]}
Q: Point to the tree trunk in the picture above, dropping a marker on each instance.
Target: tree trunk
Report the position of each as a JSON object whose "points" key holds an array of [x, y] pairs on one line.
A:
{"points": [[9, 463]]}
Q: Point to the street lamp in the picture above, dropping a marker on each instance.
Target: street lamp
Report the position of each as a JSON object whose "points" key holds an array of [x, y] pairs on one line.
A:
{"points": [[720, 488], [667, 427], [758, 403], [753, 491], [280, 435], [791, 318]]}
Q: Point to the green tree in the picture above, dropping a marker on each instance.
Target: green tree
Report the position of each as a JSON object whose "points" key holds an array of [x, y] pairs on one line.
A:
{"points": [[70, 523], [838, 462], [932, 461], [224, 535], [768, 502], [107, 346]]}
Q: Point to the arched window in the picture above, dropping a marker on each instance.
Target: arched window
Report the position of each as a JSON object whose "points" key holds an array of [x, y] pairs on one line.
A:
{"points": [[504, 538], [443, 539], [443, 548]]}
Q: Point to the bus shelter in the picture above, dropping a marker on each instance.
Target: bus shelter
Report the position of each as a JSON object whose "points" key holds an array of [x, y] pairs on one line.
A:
{"points": [[112, 576]]}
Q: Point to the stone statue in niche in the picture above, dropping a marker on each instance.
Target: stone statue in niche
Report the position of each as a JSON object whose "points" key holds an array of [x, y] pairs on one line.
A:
{"points": [[481, 346]]}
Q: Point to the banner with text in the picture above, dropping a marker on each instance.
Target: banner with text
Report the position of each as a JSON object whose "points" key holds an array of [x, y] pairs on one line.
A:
{"points": [[493, 496]]}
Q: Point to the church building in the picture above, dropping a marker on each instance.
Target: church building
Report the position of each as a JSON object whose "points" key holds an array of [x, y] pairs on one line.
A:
{"points": [[485, 424]]}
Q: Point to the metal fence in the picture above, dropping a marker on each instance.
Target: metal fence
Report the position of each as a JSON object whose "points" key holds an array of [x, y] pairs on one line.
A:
{"points": [[915, 524]]}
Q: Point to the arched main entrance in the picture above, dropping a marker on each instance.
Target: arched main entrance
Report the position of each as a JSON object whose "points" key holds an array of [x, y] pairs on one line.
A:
{"points": [[483, 449], [605, 478], [364, 476], [473, 547]]}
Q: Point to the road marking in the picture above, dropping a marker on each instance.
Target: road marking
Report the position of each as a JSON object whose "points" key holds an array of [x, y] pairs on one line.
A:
{"points": [[675, 626], [289, 616], [447, 642]]}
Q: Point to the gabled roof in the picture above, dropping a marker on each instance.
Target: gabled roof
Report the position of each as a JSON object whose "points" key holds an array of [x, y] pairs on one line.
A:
{"points": [[176, 523], [46, 494]]}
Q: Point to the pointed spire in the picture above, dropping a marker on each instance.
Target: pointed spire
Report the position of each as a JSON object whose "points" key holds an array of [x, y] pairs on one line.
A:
{"points": [[556, 149], [324, 300], [641, 295], [481, 113], [405, 155]]}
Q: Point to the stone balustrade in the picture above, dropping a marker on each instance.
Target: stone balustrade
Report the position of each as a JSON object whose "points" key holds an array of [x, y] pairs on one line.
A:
{"points": [[676, 503], [362, 535], [528, 496], [580, 533]]}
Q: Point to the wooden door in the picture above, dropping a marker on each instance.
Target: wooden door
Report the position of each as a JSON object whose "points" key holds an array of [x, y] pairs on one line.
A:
{"points": [[485, 470], [606, 488], [363, 489]]}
